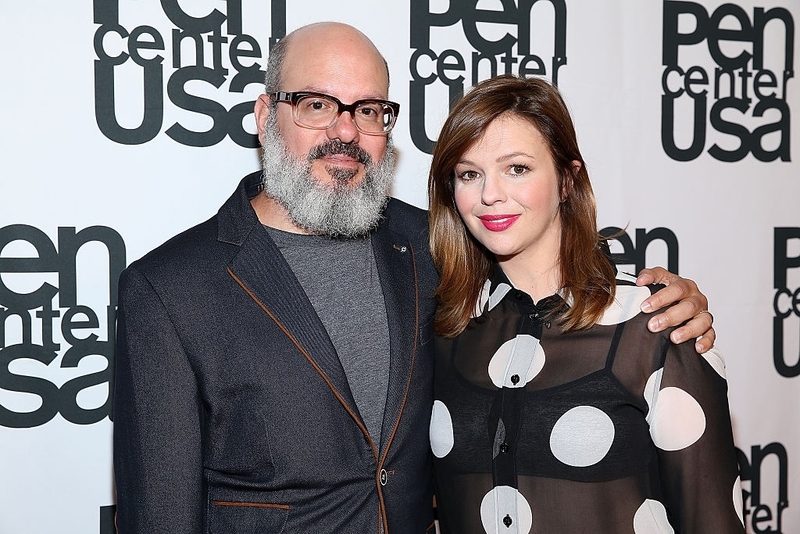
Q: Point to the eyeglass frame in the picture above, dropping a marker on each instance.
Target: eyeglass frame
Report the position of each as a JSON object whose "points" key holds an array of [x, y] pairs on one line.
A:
{"points": [[292, 97]]}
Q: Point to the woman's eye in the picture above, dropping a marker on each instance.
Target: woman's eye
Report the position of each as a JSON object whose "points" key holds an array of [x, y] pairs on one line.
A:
{"points": [[518, 169], [467, 176]]}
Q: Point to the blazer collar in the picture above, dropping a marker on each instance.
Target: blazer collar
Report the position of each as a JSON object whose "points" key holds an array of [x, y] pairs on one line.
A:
{"points": [[397, 269], [260, 269]]}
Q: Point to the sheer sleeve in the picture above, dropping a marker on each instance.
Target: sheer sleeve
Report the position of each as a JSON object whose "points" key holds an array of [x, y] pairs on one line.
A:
{"points": [[690, 426]]}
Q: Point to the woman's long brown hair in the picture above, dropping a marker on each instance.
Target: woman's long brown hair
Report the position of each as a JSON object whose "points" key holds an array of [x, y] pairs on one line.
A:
{"points": [[587, 275]]}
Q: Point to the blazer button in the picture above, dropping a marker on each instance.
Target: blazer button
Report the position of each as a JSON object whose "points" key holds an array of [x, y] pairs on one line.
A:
{"points": [[384, 477]]}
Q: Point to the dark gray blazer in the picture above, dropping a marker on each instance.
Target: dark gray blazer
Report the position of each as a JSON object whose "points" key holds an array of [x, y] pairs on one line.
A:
{"points": [[232, 413]]}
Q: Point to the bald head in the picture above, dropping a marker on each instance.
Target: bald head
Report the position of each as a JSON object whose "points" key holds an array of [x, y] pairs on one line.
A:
{"points": [[333, 60], [325, 41]]}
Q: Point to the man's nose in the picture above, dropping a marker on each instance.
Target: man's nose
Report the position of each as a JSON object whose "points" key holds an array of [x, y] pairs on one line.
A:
{"points": [[344, 128]]}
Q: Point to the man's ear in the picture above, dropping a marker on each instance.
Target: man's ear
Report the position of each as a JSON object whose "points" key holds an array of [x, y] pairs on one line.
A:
{"points": [[262, 110]]}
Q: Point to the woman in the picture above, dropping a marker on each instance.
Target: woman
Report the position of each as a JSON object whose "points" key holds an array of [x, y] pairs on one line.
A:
{"points": [[556, 410]]}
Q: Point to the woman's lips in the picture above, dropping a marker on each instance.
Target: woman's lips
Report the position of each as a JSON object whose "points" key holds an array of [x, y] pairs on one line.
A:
{"points": [[498, 223]]}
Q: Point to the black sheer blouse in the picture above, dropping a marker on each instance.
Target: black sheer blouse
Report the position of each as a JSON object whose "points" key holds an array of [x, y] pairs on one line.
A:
{"points": [[611, 429]]}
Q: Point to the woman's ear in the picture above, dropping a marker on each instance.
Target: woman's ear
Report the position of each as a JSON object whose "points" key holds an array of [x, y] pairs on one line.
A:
{"points": [[566, 185]]}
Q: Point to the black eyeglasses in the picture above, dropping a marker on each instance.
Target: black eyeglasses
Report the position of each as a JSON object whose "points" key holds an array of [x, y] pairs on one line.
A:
{"points": [[319, 111]]}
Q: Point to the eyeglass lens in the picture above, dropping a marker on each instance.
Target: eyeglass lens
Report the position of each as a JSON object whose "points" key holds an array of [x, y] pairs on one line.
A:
{"points": [[320, 112]]}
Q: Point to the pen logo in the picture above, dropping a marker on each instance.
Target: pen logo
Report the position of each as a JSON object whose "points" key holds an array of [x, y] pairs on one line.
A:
{"points": [[527, 38], [786, 302], [764, 505], [634, 253], [745, 87], [202, 56], [49, 334]]}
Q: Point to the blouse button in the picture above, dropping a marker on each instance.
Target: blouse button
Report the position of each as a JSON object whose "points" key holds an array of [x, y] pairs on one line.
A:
{"points": [[504, 447], [515, 379], [507, 521]]}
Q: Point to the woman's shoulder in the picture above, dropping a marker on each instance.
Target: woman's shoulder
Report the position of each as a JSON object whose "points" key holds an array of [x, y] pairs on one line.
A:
{"points": [[627, 303]]}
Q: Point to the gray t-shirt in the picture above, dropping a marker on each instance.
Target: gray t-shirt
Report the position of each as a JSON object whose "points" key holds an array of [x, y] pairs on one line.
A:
{"points": [[340, 279]]}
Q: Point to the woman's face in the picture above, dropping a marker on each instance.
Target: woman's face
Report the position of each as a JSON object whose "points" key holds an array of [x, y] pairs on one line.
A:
{"points": [[507, 192]]}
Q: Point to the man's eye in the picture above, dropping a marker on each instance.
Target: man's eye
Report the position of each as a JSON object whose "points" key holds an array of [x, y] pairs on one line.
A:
{"points": [[369, 112], [315, 105]]}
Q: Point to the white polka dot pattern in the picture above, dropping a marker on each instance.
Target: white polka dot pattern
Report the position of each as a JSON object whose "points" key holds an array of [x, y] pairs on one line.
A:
{"points": [[582, 436], [497, 296], [651, 518], [505, 510], [584, 441], [492, 299], [738, 504], [440, 430], [651, 392], [626, 305], [676, 420], [499, 438], [483, 298], [516, 362], [715, 360]]}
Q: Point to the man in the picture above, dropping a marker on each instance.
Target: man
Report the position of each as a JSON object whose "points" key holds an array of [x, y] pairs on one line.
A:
{"points": [[273, 363]]}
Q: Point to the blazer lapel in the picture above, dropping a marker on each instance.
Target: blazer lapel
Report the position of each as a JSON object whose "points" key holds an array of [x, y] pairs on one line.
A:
{"points": [[396, 264], [260, 269]]}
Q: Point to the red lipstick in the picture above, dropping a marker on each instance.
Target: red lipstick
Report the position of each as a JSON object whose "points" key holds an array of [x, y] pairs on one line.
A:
{"points": [[498, 223]]}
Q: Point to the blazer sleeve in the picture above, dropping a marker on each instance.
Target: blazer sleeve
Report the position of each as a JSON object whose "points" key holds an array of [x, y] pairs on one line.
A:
{"points": [[691, 427], [157, 419]]}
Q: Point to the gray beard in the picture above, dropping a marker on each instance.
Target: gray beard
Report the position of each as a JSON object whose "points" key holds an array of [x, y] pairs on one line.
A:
{"points": [[337, 210]]}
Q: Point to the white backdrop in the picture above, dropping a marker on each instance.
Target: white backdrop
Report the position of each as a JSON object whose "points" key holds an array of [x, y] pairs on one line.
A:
{"points": [[117, 133]]}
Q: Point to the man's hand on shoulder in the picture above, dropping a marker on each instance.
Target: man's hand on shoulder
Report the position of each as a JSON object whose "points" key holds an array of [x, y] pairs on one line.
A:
{"points": [[686, 303]]}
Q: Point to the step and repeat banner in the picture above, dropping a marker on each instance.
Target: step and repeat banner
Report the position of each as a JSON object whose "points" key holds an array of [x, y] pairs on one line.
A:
{"points": [[126, 121]]}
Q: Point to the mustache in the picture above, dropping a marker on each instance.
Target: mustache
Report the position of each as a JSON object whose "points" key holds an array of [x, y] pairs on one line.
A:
{"points": [[335, 146]]}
